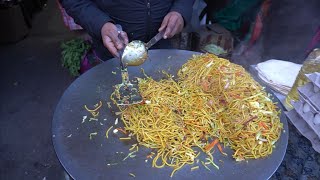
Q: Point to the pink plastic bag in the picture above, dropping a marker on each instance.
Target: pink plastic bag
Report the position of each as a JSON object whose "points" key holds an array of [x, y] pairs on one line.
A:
{"points": [[89, 60], [68, 21]]}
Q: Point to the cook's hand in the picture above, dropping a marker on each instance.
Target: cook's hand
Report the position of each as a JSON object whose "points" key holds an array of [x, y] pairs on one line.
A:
{"points": [[111, 41], [172, 23]]}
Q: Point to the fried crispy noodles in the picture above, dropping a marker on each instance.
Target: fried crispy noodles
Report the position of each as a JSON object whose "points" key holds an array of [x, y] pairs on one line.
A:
{"points": [[212, 99]]}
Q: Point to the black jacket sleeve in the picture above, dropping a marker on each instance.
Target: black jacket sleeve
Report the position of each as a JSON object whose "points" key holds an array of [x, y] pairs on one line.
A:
{"points": [[87, 15], [184, 7]]}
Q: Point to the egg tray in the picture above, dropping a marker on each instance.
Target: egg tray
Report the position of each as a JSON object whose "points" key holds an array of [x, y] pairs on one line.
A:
{"points": [[307, 116], [314, 78], [304, 128], [309, 93], [309, 102]]}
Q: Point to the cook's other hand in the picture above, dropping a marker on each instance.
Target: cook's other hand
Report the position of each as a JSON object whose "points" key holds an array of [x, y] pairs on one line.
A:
{"points": [[173, 23], [110, 38]]}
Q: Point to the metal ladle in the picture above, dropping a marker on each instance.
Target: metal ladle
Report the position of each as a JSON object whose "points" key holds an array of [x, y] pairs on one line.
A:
{"points": [[136, 52], [128, 93]]}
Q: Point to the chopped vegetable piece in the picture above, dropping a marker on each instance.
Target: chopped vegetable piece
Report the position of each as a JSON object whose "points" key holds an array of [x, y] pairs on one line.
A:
{"points": [[149, 156], [194, 168], [220, 149], [129, 155], [211, 145], [262, 124], [92, 134], [122, 130], [84, 119], [93, 119], [205, 166], [118, 113], [132, 147], [112, 164], [211, 162]]}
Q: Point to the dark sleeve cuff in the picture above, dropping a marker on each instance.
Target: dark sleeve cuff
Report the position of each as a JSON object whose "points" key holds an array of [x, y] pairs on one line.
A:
{"points": [[184, 7], [99, 21], [87, 15]]}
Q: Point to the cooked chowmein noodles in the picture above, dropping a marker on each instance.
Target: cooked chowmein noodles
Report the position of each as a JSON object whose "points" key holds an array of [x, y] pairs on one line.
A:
{"points": [[211, 101]]}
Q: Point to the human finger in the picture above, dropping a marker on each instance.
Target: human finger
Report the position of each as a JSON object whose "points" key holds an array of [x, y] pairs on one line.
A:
{"points": [[109, 44], [113, 35], [124, 36], [170, 27], [164, 22]]}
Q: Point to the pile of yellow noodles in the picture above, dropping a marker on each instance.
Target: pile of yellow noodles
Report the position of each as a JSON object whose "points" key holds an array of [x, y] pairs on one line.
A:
{"points": [[212, 98]]}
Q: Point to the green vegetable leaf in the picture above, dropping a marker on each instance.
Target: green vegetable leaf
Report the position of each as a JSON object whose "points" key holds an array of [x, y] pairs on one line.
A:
{"points": [[72, 53]]}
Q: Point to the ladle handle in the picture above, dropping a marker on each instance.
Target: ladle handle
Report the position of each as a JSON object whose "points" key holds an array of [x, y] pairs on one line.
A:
{"points": [[155, 39], [120, 52]]}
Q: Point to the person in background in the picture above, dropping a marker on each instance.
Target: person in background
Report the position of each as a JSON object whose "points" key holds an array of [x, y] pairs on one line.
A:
{"points": [[140, 20]]}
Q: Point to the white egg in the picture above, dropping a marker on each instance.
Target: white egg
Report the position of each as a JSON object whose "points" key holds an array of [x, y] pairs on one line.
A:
{"points": [[306, 108], [316, 119], [316, 89]]}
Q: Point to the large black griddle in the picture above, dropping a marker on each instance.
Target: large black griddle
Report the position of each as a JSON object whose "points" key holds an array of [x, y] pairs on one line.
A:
{"points": [[88, 159]]}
